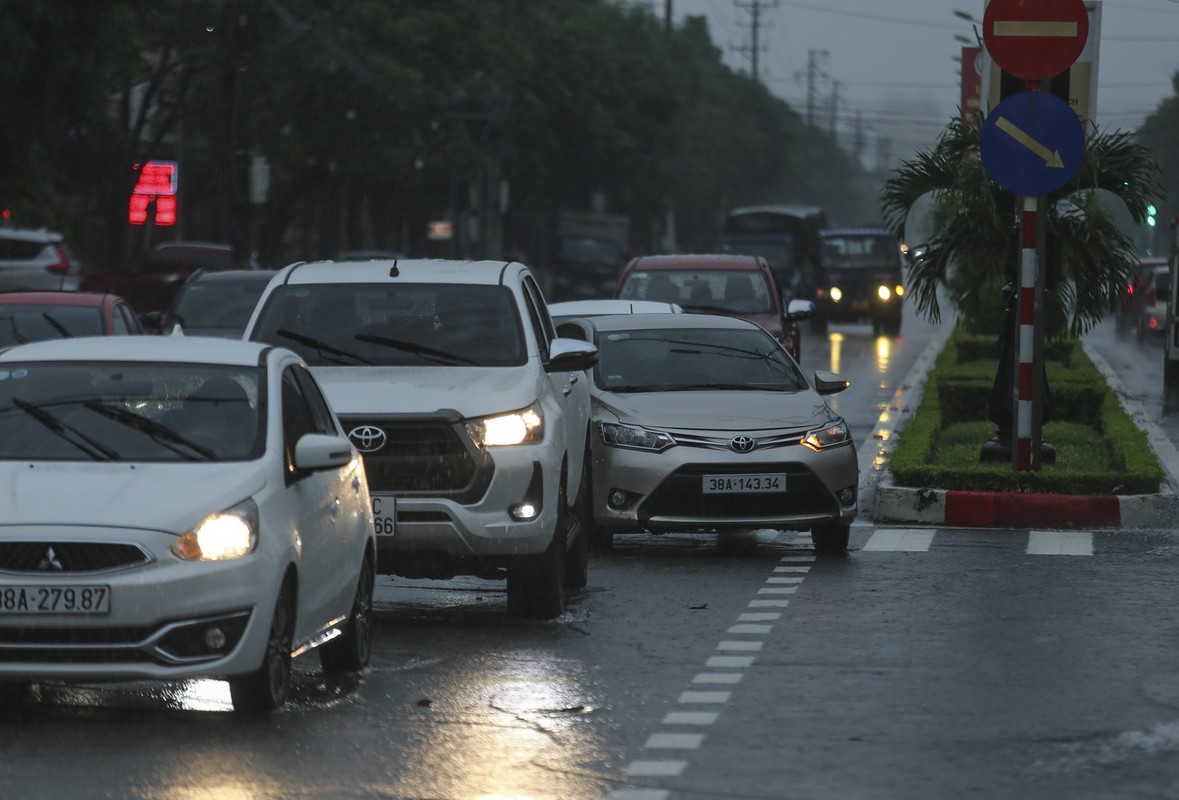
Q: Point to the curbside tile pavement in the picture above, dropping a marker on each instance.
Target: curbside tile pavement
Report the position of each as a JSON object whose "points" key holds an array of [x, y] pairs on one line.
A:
{"points": [[956, 508]]}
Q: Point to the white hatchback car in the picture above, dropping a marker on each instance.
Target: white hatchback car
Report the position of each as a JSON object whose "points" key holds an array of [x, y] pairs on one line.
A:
{"points": [[177, 508], [471, 413], [705, 423]]}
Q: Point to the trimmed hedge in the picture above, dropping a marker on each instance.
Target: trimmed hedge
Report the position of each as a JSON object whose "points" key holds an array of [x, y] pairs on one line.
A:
{"points": [[956, 393]]}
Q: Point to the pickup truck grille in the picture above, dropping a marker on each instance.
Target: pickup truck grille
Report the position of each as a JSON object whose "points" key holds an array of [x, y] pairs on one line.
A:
{"points": [[420, 456]]}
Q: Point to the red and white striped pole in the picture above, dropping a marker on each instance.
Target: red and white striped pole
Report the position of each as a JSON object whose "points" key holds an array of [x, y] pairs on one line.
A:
{"points": [[1025, 369]]}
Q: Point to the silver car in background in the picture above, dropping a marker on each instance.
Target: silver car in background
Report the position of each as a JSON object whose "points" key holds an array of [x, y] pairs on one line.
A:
{"points": [[705, 423]]}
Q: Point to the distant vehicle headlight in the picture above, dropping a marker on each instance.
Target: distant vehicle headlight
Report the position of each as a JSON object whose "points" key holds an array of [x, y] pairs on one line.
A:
{"points": [[518, 427], [633, 437], [225, 535], [836, 294], [883, 292], [830, 436]]}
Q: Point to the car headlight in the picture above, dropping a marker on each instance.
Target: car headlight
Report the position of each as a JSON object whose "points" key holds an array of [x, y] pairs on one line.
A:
{"points": [[227, 534], [883, 292], [518, 427], [836, 294], [635, 438], [821, 439]]}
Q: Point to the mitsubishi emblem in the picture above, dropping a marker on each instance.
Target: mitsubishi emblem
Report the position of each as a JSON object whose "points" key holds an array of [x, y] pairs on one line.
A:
{"points": [[50, 562]]}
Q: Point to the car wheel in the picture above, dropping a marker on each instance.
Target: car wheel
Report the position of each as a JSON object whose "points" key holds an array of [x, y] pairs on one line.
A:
{"points": [[266, 688], [536, 584], [580, 529], [14, 693], [830, 539], [892, 325], [350, 651]]}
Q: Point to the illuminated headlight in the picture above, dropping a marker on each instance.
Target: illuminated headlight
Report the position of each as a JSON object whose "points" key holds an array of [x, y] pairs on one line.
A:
{"points": [[519, 427], [883, 292], [900, 290], [219, 537], [634, 438], [827, 437], [836, 294]]}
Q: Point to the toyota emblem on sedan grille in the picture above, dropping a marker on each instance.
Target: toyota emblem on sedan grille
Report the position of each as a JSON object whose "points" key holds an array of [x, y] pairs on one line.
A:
{"points": [[367, 438], [742, 444]]}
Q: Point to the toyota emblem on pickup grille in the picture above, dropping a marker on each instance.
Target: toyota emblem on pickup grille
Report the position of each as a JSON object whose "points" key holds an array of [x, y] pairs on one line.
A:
{"points": [[742, 444], [367, 438]]}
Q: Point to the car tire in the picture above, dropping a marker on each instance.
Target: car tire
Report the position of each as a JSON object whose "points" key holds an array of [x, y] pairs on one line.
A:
{"points": [[266, 688], [349, 652], [580, 530], [536, 584], [830, 539], [14, 694]]}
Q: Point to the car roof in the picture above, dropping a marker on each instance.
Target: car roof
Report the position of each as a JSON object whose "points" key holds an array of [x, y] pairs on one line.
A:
{"points": [[233, 275], [183, 245], [164, 349], [691, 261], [586, 308], [57, 298], [425, 270], [42, 235], [631, 322]]}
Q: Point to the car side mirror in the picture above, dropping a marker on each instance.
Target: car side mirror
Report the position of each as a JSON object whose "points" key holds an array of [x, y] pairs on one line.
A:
{"points": [[800, 309], [830, 382], [571, 355], [320, 451]]}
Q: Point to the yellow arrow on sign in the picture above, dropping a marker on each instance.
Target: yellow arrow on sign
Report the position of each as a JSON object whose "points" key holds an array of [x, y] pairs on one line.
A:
{"points": [[1051, 157], [1034, 28]]}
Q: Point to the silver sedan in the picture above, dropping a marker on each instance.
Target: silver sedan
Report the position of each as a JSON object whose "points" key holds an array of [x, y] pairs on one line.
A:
{"points": [[706, 423]]}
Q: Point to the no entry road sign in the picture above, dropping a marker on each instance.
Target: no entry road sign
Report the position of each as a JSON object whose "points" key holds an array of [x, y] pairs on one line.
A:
{"points": [[1032, 143], [1035, 40]]}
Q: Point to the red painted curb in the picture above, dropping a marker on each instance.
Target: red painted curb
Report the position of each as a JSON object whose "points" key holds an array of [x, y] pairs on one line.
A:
{"points": [[999, 509]]}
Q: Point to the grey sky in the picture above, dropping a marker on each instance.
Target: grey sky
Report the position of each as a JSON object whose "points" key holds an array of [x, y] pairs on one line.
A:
{"points": [[890, 65]]}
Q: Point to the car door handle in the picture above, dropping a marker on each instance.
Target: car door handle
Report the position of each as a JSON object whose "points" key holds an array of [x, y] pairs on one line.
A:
{"points": [[574, 377], [335, 506]]}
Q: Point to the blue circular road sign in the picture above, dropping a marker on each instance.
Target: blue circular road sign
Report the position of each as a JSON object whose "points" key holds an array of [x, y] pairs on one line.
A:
{"points": [[1032, 143]]}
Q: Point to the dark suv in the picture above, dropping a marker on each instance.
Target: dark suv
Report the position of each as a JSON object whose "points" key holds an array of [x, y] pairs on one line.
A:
{"points": [[863, 279], [151, 281]]}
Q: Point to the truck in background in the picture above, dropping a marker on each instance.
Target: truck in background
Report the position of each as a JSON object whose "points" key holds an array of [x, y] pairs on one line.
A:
{"points": [[589, 252], [787, 236]]}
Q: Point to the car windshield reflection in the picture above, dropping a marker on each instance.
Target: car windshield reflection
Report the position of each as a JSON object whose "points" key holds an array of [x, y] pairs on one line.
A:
{"points": [[129, 412]]}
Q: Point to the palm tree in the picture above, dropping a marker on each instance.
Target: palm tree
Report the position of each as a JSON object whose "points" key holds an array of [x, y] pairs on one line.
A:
{"points": [[971, 248]]}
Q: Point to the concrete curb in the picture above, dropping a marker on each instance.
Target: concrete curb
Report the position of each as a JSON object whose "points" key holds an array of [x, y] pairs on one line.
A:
{"points": [[955, 508]]}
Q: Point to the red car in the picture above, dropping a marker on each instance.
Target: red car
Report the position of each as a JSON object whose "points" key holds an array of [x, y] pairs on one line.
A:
{"points": [[36, 316], [150, 282], [729, 284]]}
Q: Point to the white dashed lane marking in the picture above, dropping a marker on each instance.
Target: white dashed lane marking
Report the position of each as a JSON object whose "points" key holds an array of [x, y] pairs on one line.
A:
{"points": [[1060, 543], [889, 540]]}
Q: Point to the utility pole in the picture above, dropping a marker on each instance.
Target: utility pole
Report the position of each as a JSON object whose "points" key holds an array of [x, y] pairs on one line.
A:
{"points": [[812, 74], [667, 16], [754, 48], [834, 105]]}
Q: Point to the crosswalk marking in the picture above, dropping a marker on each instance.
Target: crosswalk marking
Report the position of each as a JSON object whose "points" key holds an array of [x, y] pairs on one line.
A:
{"points": [[1060, 543], [900, 540]]}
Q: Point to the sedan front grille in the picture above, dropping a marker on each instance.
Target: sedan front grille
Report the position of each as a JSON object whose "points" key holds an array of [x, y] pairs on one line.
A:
{"points": [[680, 495], [40, 556]]}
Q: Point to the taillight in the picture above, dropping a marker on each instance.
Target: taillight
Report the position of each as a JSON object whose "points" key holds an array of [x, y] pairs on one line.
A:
{"points": [[62, 264]]}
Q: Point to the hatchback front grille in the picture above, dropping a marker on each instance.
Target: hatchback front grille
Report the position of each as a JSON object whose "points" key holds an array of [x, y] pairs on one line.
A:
{"points": [[39, 556]]}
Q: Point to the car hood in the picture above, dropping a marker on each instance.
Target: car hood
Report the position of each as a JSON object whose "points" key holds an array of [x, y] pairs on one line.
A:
{"points": [[472, 391], [166, 497], [716, 410]]}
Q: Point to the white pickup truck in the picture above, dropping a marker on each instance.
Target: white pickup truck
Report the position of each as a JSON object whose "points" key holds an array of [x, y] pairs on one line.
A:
{"points": [[471, 413]]}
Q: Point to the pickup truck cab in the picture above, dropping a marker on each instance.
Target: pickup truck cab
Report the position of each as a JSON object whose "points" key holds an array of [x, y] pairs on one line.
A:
{"points": [[471, 414]]}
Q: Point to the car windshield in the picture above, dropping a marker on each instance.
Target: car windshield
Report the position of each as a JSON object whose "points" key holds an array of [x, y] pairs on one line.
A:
{"points": [[35, 322], [682, 359], [218, 304], [736, 291], [860, 251], [139, 412], [358, 324]]}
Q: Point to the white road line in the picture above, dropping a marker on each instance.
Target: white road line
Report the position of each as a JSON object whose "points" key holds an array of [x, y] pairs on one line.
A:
{"points": [[750, 629], [1060, 543], [787, 579], [797, 559], [776, 590], [690, 717], [674, 741], [718, 677], [792, 569], [656, 769], [768, 603], [767, 616], [890, 540], [705, 697], [739, 645], [729, 662]]}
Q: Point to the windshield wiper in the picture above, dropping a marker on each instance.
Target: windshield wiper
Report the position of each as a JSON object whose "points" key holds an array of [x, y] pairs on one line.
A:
{"points": [[439, 356], [156, 431], [326, 350], [96, 450], [57, 326]]}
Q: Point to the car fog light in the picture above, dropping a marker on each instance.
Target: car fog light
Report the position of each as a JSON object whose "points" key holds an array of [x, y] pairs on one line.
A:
{"points": [[215, 638], [847, 496], [524, 511]]}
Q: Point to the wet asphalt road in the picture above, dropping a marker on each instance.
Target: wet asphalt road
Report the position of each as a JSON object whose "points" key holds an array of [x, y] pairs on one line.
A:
{"points": [[926, 664]]}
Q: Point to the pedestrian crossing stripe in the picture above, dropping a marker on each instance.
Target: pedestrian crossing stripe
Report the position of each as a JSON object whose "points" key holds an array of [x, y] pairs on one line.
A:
{"points": [[1039, 543]]}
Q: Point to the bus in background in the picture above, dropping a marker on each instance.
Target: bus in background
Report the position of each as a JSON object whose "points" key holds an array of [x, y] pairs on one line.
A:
{"points": [[788, 237]]}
